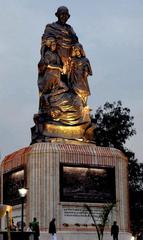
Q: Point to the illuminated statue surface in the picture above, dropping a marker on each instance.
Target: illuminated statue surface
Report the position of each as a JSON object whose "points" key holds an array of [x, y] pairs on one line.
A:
{"points": [[63, 85]]}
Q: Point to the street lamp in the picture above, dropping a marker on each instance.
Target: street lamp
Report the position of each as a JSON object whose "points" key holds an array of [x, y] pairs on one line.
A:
{"points": [[22, 193]]}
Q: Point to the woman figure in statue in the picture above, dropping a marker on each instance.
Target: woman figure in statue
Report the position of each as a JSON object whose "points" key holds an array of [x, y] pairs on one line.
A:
{"points": [[79, 70], [50, 70]]}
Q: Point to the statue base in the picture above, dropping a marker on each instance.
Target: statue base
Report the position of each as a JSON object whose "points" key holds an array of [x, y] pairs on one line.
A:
{"points": [[59, 179], [45, 131]]}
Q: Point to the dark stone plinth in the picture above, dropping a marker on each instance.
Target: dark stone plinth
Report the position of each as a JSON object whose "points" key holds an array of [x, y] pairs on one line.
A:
{"points": [[17, 235]]}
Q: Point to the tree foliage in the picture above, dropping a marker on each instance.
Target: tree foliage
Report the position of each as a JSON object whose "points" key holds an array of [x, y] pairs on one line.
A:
{"points": [[135, 176], [114, 125], [135, 172]]}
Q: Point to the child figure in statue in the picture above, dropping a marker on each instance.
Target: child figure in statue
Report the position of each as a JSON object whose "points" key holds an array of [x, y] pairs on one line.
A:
{"points": [[79, 70], [50, 70]]}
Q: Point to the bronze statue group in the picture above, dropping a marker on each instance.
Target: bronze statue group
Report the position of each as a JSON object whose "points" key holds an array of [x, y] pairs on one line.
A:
{"points": [[62, 73]]}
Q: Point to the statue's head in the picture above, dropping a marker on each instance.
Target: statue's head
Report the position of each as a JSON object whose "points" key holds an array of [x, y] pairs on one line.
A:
{"points": [[77, 50], [62, 14], [50, 42]]}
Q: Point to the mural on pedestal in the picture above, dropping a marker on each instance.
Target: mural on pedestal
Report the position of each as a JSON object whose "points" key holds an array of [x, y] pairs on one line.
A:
{"points": [[12, 181], [87, 184]]}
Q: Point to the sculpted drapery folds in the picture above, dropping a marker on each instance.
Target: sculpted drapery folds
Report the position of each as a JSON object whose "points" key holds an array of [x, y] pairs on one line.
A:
{"points": [[62, 81], [50, 69], [63, 33], [79, 70]]}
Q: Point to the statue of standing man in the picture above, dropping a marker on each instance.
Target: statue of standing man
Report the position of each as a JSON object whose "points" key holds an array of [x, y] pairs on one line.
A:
{"points": [[64, 35]]}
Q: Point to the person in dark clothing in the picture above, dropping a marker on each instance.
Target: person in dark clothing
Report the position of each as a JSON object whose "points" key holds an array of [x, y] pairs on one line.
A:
{"points": [[115, 231], [52, 229], [35, 228]]}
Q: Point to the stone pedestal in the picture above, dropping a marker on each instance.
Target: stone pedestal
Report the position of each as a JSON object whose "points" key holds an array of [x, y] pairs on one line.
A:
{"points": [[42, 163]]}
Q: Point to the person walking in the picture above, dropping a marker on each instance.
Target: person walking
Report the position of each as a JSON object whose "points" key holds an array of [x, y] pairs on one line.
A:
{"points": [[52, 229], [115, 231], [35, 228]]}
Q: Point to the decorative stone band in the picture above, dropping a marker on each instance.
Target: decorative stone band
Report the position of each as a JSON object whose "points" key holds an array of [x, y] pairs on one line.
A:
{"points": [[80, 153], [73, 152], [15, 159]]}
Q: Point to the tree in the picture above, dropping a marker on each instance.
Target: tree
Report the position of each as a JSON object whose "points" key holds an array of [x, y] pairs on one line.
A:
{"points": [[107, 208], [114, 125], [135, 172], [135, 175]]}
